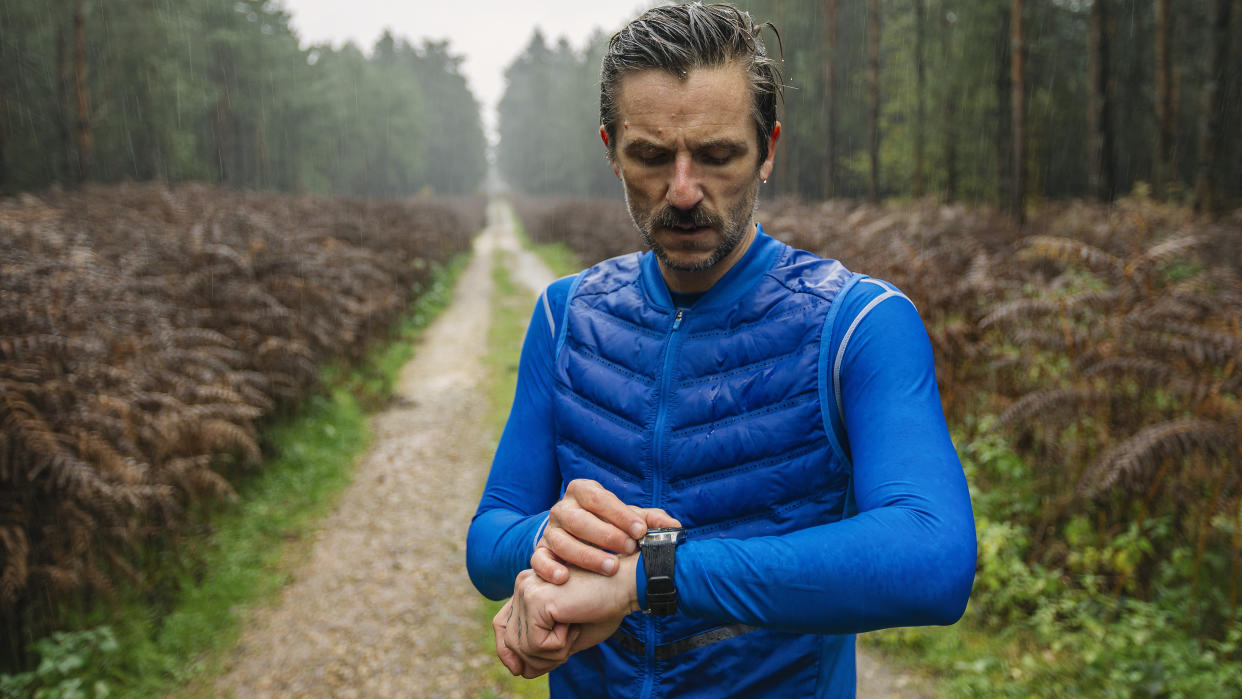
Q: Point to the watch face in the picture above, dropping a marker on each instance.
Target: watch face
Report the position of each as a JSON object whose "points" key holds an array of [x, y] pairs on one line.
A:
{"points": [[662, 536]]}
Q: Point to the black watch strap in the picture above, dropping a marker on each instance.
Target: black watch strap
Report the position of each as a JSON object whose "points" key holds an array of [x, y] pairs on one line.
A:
{"points": [[660, 565]]}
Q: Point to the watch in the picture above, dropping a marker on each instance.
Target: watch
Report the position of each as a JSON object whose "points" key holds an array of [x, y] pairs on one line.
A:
{"points": [[659, 549]]}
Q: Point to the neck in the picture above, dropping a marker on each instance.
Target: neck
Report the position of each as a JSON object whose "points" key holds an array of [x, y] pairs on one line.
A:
{"points": [[684, 282]]}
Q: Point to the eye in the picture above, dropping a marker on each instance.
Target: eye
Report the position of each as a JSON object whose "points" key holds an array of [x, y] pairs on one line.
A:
{"points": [[652, 157], [717, 156]]}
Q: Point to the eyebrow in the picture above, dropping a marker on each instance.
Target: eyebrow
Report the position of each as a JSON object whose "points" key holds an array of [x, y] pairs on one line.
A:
{"points": [[733, 146]]}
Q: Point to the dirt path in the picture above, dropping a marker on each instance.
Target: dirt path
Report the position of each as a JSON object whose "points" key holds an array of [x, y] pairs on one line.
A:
{"points": [[383, 608]]}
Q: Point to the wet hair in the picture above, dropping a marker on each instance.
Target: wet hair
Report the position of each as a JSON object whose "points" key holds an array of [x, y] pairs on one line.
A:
{"points": [[680, 38]]}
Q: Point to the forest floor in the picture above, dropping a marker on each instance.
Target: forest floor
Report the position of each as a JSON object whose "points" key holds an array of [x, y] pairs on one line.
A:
{"points": [[382, 606]]}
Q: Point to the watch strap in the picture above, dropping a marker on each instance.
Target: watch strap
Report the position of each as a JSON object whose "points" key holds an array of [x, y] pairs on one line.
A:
{"points": [[659, 565]]}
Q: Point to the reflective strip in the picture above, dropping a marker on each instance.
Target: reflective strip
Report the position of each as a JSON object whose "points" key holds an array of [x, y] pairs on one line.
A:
{"points": [[845, 341], [547, 309], [539, 532]]}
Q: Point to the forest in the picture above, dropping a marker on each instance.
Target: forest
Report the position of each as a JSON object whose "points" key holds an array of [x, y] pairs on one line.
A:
{"points": [[222, 92], [980, 101]]}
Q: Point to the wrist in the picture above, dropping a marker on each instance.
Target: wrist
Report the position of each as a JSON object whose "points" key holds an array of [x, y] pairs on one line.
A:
{"points": [[627, 576]]}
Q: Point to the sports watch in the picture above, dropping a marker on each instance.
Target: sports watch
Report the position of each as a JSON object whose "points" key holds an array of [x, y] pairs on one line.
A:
{"points": [[659, 549]]}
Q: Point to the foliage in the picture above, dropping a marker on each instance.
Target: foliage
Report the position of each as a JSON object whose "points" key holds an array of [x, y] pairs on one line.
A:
{"points": [[223, 92], [72, 665], [1035, 631], [147, 335], [172, 630]]}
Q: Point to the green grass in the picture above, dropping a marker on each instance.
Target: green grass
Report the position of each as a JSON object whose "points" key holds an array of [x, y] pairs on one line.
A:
{"points": [[173, 635], [511, 308]]}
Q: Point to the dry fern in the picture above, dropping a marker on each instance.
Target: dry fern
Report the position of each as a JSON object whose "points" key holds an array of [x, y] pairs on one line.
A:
{"points": [[146, 332], [1131, 463]]}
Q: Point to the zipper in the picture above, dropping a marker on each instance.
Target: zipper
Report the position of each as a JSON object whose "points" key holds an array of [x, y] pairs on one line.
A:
{"points": [[662, 409], [657, 469]]}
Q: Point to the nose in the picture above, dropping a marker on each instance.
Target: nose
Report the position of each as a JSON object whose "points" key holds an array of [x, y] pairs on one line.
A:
{"points": [[685, 190]]}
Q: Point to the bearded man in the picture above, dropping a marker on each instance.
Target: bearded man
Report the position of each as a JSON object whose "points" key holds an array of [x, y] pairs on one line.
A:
{"points": [[725, 456]]}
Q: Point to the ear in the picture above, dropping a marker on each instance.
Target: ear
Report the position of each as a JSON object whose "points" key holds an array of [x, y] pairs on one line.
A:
{"points": [[765, 170], [603, 135]]}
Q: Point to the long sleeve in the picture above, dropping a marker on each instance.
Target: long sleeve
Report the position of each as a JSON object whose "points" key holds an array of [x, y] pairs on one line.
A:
{"points": [[524, 482], [908, 556]]}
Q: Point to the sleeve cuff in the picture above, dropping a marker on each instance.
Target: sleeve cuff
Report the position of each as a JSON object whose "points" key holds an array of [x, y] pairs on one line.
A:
{"points": [[640, 582]]}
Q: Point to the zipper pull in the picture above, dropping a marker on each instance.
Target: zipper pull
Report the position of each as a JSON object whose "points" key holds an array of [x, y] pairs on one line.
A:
{"points": [[681, 312]]}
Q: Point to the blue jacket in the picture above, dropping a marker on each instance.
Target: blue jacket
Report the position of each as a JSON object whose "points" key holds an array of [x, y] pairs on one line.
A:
{"points": [[731, 416]]}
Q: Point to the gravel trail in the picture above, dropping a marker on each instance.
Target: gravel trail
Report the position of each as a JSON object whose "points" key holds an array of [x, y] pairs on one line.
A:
{"points": [[383, 607]]}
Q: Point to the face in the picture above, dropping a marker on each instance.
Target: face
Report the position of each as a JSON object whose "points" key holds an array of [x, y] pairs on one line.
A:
{"points": [[688, 156]]}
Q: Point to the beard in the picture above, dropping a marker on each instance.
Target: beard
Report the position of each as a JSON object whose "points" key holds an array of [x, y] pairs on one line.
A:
{"points": [[732, 227]]}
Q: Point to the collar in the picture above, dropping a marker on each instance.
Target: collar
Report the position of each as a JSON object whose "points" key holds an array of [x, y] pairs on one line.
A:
{"points": [[728, 290]]}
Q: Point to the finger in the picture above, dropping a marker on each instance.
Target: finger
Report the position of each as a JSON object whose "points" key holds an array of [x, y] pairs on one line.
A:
{"points": [[550, 643], [538, 667], [509, 659], [547, 566], [602, 503], [657, 518], [572, 517], [573, 552]]}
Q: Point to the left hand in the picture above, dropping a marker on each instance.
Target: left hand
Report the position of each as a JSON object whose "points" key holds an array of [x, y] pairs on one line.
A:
{"points": [[544, 623], [550, 648]]}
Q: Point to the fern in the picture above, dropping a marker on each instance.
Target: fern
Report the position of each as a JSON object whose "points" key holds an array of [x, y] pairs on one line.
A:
{"points": [[1131, 462], [147, 332]]}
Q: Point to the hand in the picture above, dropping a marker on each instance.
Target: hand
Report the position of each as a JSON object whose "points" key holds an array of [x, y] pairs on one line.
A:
{"points": [[543, 624], [533, 651], [586, 526]]}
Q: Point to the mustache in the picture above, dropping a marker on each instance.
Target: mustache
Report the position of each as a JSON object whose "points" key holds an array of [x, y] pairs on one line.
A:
{"points": [[670, 217]]}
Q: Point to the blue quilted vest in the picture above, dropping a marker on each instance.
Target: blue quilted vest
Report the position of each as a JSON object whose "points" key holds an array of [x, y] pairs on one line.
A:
{"points": [[720, 415]]}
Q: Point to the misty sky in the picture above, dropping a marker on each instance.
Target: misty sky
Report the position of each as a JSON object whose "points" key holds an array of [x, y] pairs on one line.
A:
{"points": [[489, 33]]}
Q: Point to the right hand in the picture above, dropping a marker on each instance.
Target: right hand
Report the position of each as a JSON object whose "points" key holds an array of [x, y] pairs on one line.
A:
{"points": [[588, 528]]}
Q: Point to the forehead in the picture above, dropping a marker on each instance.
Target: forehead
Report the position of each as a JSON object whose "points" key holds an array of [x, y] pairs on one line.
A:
{"points": [[709, 103]]}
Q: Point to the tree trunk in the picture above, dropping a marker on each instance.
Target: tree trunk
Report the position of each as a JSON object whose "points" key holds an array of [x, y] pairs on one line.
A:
{"points": [[1235, 100], [1004, 113], [873, 101], [1164, 170], [1017, 204], [1211, 122], [948, 103], [4, 117], [221, 131], [82, 103], [68, 154], [1101, 181], [920, 76], [830, 98]]}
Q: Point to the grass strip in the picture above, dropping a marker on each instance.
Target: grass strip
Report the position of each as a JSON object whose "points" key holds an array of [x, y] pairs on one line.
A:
{"points": [[149, 642]]}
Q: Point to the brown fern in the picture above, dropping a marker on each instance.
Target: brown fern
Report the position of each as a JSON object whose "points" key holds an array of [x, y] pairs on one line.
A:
{"points": [[1131, 462]]}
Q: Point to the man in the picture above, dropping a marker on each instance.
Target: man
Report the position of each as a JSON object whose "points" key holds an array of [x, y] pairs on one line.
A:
{"points": [[764, 421]]}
